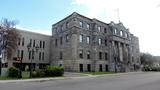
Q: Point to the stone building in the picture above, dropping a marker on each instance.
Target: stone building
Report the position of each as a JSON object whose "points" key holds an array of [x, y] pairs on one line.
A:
{"points": [[80, 44], [39, 58], [83, 44]]}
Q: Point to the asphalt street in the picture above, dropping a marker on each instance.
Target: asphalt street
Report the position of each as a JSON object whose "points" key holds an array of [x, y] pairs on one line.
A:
{"points": [[131, 81]]}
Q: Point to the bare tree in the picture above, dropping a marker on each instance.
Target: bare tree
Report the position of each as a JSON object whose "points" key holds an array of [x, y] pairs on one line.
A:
{"points": [[9, 36], [147, 59]]}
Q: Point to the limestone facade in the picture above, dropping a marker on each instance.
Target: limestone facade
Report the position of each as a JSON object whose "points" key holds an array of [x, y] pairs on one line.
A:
{"points": [[83, 44]]}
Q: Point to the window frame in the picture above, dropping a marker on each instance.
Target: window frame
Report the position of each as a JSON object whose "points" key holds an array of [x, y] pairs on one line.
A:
{"points": [[121, 33], [100, 55], [99, 28], [81, 24], [106, 56], [81, 54], [88, 54], [80, 38], [88, 26], [100, 41], [88, 39]]}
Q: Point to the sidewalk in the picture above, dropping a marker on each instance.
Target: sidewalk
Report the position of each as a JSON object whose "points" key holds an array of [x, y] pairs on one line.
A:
{"points": [[67, 75]]}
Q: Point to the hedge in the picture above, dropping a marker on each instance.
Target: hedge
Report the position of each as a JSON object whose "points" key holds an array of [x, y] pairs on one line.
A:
{"points": [[52, 71], [49, 71], [13, 72]]}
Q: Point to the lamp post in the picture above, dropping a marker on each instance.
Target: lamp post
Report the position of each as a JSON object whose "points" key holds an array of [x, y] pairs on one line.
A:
{"points": [[32, 50], [20, 74]]}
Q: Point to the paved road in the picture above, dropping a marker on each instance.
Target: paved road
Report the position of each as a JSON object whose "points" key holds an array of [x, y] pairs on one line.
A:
{"points": [[131, 81], [72, 74]]}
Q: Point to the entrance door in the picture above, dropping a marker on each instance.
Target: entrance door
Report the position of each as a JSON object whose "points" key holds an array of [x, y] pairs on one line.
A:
{"points": [[81, 67]]}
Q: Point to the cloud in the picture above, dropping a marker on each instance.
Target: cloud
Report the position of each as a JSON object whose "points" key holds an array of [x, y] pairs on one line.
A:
{"points": [[96, 8], [140, 16]]}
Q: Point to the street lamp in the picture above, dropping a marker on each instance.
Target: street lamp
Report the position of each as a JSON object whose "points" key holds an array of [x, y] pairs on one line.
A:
{"points": [[32, 50]]}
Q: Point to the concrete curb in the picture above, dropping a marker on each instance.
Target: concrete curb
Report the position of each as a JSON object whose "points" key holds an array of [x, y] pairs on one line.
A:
{"points": [[31, 80]]}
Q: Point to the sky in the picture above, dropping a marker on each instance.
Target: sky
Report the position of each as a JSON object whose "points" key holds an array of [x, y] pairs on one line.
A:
{"points": [[142, 17]]}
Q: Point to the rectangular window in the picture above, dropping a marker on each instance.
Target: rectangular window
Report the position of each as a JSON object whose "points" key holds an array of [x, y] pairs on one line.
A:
{"points": [[81, 67], [34, 43], [106, 66], [100, 68], [67, 38], [88, 40], [67, 24], [106, 56], [80, 38], [100, 55], [115, 31], [121, 33], [88, 26], [61, 28], [99, 41], [23, 41], [19, 41], [43, 44], [81, 54], [39, 56], [60, 55], [22, 54], [29, 55], [81, 24], [99, 28], [40, 44], [88, 67], [105, 42], [18, 53], [32, 55], [61, 40], [31, 42], [88, 55], [56, 42], [43, 56], [126, 35], [105, 30]]}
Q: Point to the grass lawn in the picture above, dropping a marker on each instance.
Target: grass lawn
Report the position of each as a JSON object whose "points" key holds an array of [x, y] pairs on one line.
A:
{"points": [[98, 73], [7, 78]]}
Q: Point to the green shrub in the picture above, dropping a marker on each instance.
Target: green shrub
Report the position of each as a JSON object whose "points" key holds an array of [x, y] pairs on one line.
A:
{"points": [[151, 68], [52, 71], [34, 74], [38, 73], [13, 72]]}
